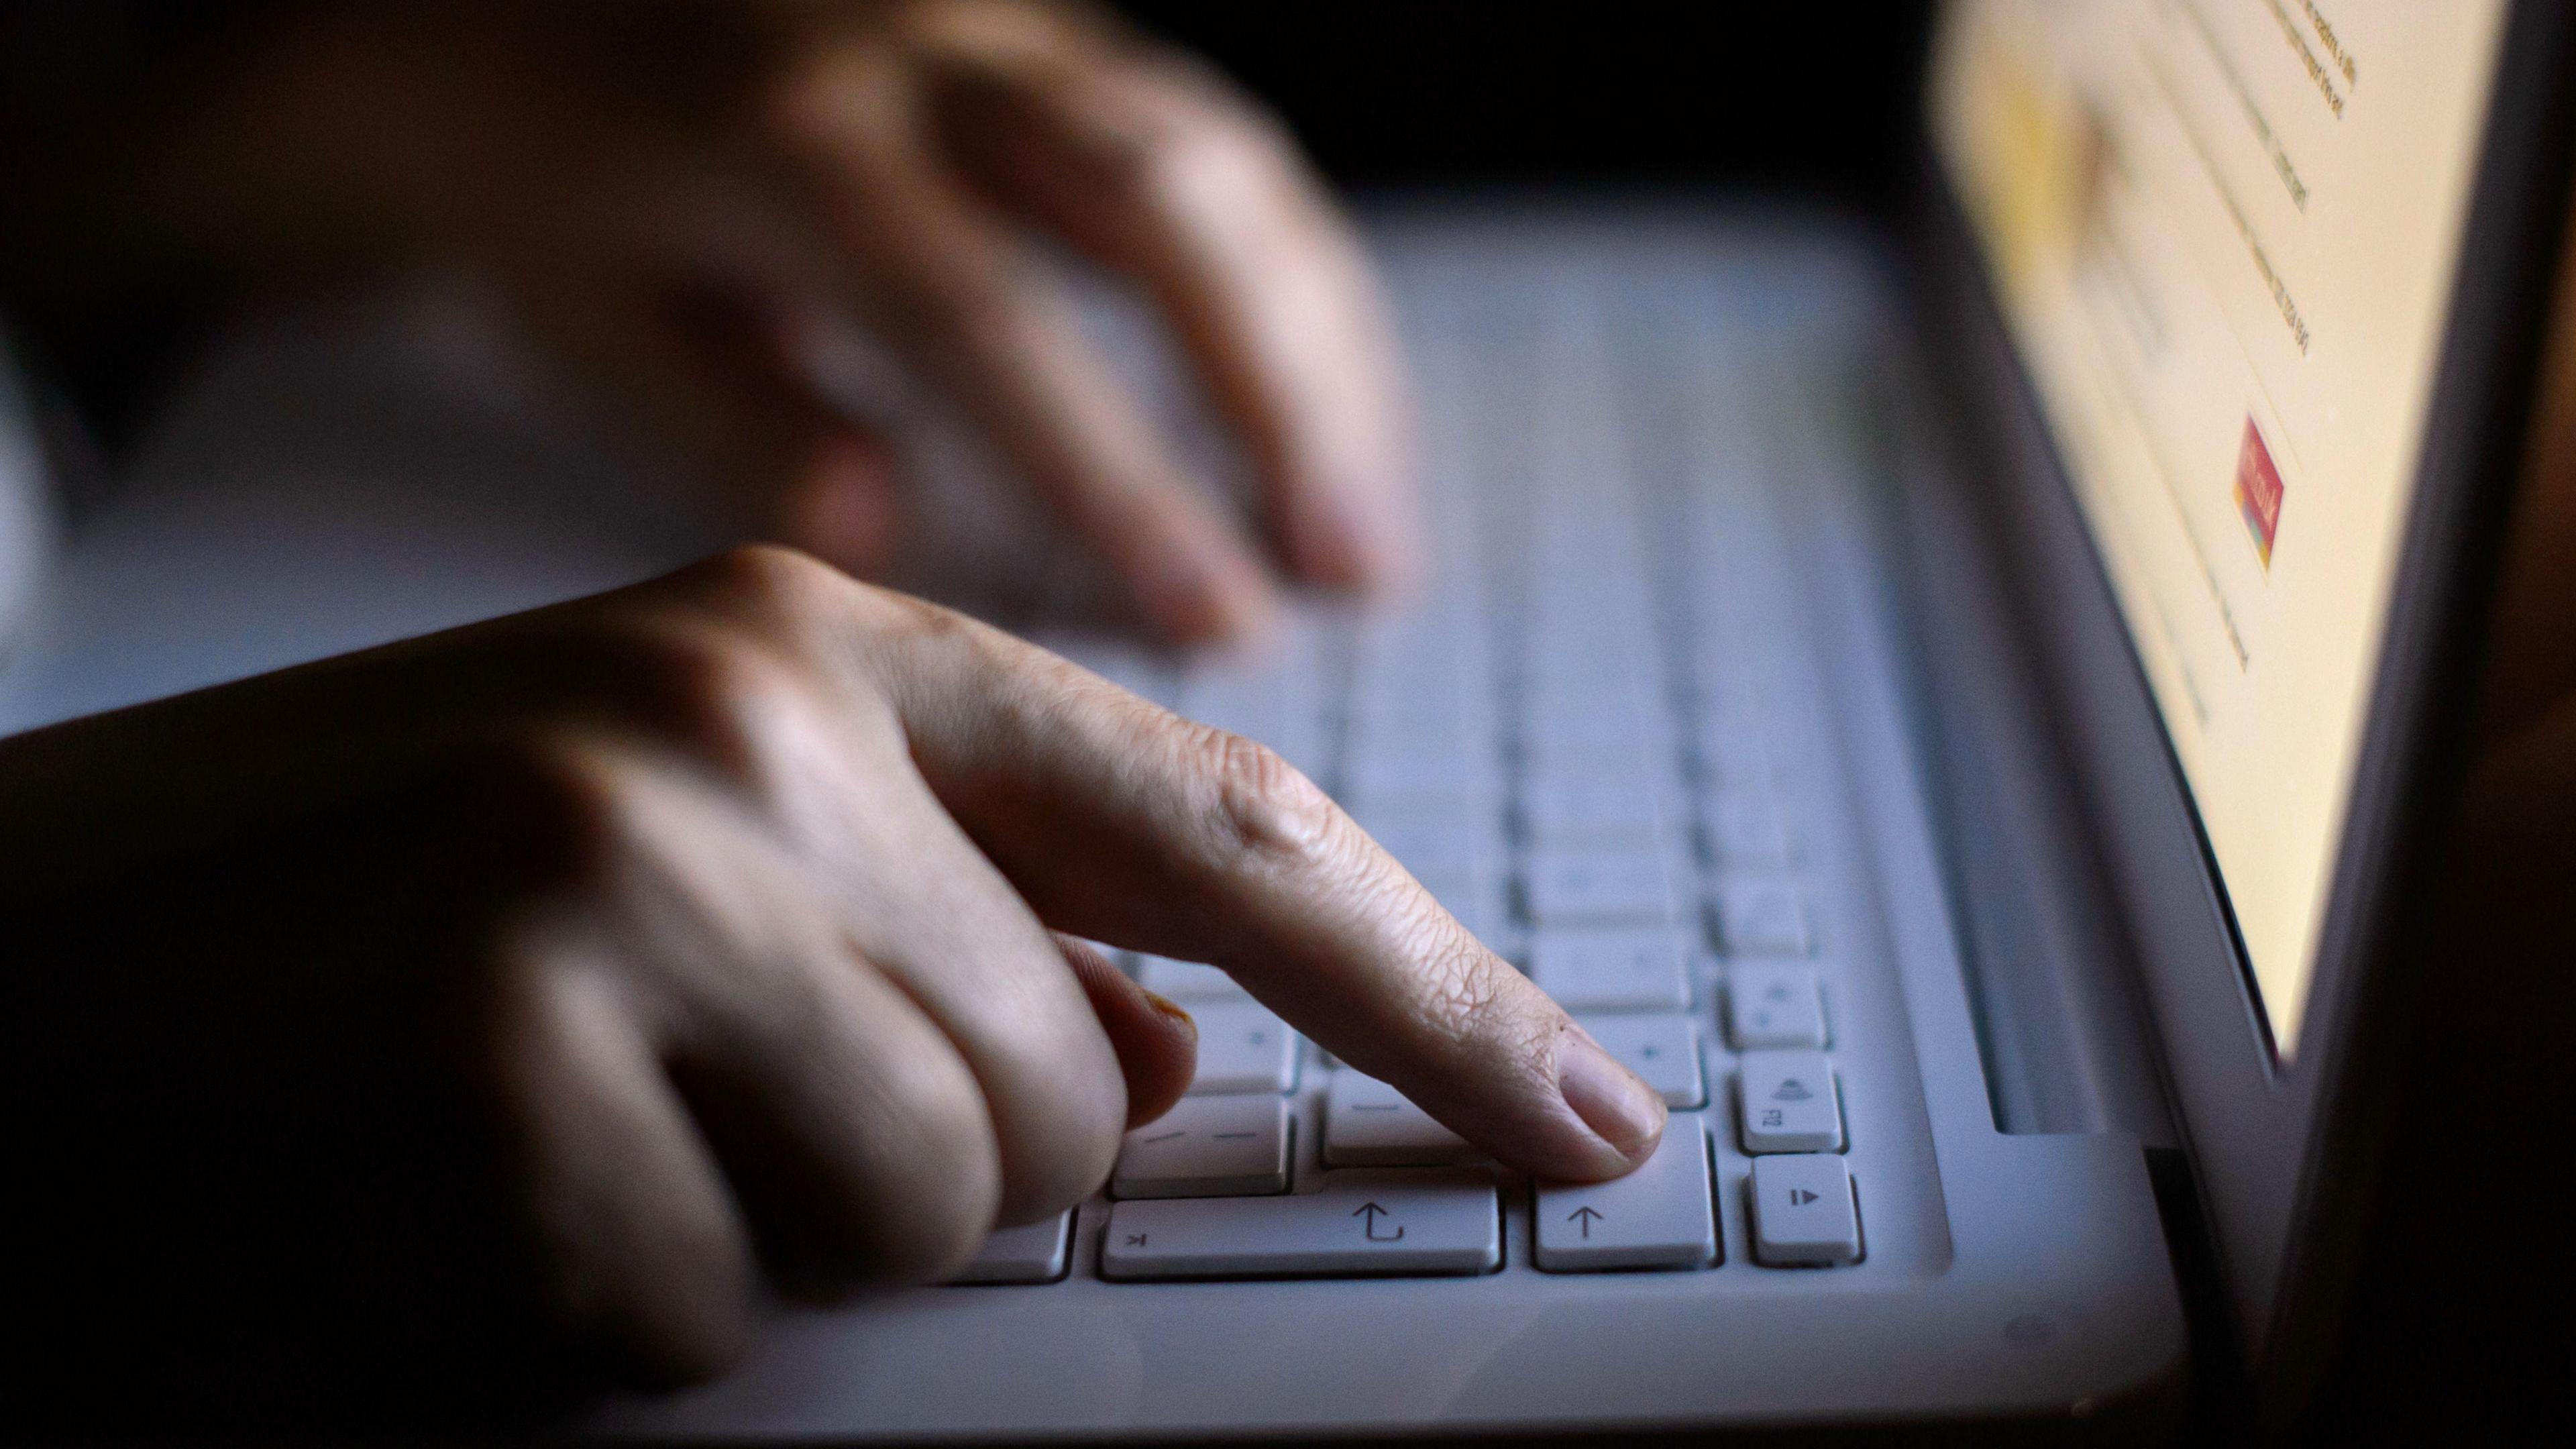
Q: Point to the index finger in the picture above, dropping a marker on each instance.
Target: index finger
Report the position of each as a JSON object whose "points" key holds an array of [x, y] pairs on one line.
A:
{"points": [[1120, 821]]}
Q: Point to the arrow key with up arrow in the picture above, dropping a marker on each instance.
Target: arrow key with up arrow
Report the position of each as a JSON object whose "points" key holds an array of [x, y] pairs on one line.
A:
{"points": [[1656, 1217]]}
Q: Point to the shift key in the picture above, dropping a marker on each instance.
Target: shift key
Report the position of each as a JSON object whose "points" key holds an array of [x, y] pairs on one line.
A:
{"points": [[1363, 1222]]}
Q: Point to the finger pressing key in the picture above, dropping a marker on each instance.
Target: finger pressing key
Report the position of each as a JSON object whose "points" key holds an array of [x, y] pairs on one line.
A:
{"points": [[1120, 821]]}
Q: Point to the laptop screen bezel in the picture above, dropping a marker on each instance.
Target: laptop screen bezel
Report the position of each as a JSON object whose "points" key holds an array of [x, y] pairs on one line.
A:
{"points": [[2276, 1145]]}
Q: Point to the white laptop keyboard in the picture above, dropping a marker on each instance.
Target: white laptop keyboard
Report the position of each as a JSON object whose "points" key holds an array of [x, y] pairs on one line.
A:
{"points": [[1643, 733], [1574, 736]]}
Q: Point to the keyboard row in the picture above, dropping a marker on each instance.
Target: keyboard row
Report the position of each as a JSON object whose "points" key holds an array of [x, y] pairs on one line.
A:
{"points": [[1229, 1143], [1636, 997], [1803, 1211]]}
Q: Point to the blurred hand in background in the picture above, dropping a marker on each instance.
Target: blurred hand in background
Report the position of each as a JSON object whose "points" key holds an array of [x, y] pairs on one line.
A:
{"points": [[690, 199]]}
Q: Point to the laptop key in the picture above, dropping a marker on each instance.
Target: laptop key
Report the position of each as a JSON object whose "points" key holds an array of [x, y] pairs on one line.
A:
{"points": [[1620, 969], [1207, 1147], [1243, 1047], [1663, 1049], [1599, 887], [1187, 980], [1774, 1006], [1745, 830], [1430, 844], [1804, 1211], [1420, 781], [1658, 1216], [1362, 1222], [1761, 918], [1575, 811], [1786, 1102], [1030, 1253], [1370, 1124]]}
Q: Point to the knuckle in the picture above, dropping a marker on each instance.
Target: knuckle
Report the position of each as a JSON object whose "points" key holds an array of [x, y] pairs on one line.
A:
{"points": [[929, 1213], [1217, 161], [668, 1298], [772, 583], [568, 809], [905, 617], [725, 698], [1261, 805], [1066, 1147]]}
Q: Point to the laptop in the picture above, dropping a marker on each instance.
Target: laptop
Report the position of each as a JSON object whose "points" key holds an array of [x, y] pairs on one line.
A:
{"points": [[1949, 702]]}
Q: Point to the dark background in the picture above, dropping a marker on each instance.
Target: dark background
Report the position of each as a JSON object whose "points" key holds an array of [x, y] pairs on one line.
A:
{"points": [[1813, 97]]}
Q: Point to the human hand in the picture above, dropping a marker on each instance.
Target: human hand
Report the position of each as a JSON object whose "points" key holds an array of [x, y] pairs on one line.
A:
{"points": [[688, 198], [520, 999]]}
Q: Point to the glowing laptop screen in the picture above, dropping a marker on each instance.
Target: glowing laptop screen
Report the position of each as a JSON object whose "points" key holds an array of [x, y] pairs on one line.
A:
{"points": [[2223, 232]]}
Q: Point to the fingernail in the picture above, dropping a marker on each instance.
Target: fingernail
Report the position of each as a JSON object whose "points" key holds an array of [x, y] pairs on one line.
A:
{"points": [[1172, 1009], [1607, 1096]]}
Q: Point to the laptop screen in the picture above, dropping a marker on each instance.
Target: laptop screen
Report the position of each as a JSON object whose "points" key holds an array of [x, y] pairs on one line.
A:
{"points": [[2223, 234]]}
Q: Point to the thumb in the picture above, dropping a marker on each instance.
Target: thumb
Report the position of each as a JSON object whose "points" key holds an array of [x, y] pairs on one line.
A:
{"points": [[1156, 1041]]}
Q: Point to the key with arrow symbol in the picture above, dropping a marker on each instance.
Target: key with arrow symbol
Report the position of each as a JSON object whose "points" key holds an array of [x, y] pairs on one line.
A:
{"points": [[1356, 1221], [1660, 1216], [1370, 1210]]}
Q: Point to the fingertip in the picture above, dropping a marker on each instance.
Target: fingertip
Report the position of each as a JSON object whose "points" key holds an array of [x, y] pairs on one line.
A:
{"points": [[1156, 1041], [1147, 1100], [1625, 1116]]}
